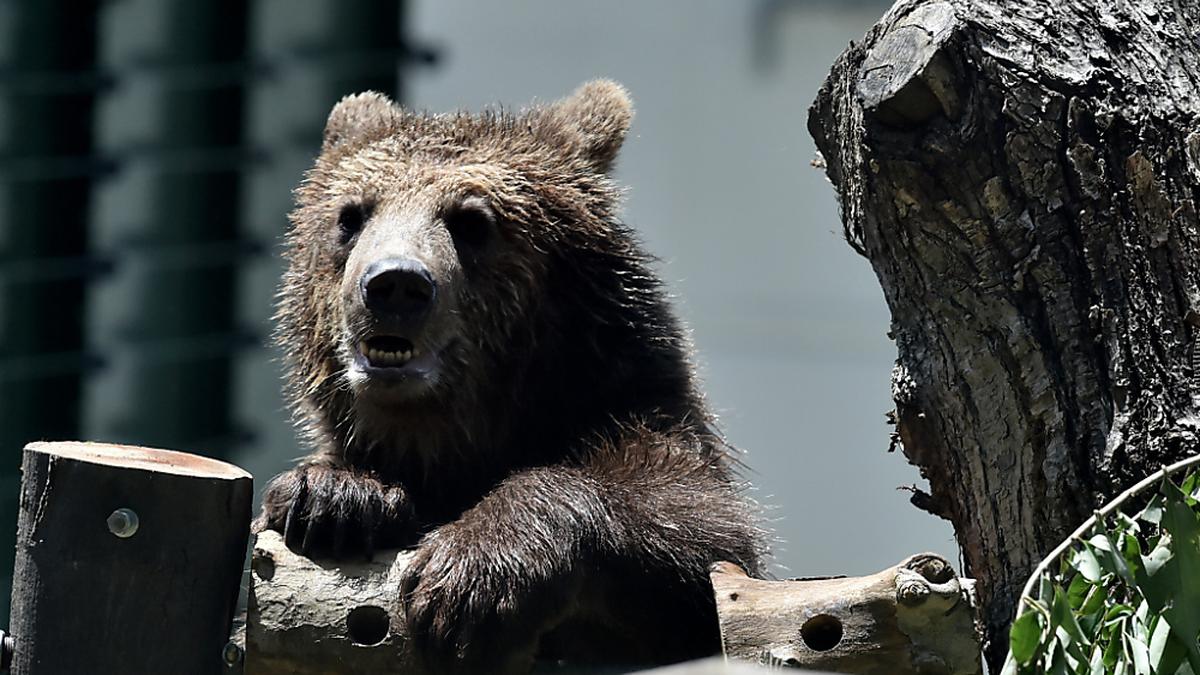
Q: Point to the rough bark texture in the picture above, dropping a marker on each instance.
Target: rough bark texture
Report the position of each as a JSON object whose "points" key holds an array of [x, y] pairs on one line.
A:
{"points": [[128, 560], [914, 618], [1022, 176]]}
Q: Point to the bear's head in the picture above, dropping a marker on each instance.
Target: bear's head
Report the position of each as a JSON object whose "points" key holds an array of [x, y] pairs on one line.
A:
{"points": [[445, 270]]}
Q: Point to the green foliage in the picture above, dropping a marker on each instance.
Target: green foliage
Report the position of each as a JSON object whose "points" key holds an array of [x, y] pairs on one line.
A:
{"points": [[1125, 597]]}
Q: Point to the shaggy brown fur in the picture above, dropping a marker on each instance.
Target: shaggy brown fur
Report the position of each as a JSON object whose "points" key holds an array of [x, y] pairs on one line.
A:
{"points": [[548, 451]]}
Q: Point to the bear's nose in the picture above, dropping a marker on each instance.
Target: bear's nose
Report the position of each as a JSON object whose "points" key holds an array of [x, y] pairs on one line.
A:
{"points": [[400, 287]]}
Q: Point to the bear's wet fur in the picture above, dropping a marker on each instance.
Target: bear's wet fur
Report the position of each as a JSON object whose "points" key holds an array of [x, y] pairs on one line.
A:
{"points": [[530, 419]]}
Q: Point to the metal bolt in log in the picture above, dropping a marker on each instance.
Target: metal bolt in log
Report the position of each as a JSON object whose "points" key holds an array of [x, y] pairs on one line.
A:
{"points": [[916, 617], [128, 560]]}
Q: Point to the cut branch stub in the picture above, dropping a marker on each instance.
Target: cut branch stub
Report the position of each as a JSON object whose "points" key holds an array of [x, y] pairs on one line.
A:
{"points": [[916, 617]]}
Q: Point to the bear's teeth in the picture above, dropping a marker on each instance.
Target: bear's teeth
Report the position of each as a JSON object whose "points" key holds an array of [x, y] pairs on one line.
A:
{"points": [[383, 357]]}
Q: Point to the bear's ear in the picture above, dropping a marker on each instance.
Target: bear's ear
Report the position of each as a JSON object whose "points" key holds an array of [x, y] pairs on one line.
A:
{"points": [[359, 116], [595, 120]]}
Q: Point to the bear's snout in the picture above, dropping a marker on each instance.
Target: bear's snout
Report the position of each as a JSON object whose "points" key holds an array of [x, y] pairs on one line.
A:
{"points": [[398, 290]]}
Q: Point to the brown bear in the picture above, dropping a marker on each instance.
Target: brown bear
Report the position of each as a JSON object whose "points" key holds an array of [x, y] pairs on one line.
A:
{"points": [[488, 368]]}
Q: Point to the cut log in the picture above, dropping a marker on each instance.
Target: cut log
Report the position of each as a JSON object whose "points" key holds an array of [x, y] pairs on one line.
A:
{"points": [[916, 617], [310, 618], [128, 560], [1023, 177]]}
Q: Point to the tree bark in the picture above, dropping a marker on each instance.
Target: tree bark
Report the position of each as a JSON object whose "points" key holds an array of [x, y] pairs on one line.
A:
{"points": [[128, 560], [1022, 176]]}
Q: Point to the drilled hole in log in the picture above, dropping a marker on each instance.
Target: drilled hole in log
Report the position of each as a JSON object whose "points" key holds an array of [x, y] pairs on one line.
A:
{"points": [[263, 566], [368, 625], [821, 633]]}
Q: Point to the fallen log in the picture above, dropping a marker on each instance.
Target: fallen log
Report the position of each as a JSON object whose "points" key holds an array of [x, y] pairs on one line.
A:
{"points": [[308, 617]]}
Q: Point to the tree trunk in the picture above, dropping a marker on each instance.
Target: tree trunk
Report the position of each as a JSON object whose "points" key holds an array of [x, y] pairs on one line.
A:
{"points": [[1022, 176]]}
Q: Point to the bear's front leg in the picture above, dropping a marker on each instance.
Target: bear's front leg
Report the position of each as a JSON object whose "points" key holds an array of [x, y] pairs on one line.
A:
{"points": [[549, 545], [327, 510], [481, 590]]}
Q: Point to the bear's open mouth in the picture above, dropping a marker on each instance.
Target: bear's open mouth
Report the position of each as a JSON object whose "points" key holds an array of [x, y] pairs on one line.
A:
{"points": [[387, 351]]}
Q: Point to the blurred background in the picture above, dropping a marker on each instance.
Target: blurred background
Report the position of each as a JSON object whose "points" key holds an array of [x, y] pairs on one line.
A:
{"points": [[147, 153]]}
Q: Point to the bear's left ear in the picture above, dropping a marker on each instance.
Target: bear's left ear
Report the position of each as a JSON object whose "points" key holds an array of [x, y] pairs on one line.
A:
{"points": [[594, 120], [358, 116]]}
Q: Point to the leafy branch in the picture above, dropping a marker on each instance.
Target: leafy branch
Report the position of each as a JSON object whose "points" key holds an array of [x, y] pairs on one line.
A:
{"points": [[1122, 593]]}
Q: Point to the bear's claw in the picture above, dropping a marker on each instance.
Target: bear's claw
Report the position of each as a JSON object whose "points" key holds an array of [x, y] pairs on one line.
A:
{"points": [[329, 511]]}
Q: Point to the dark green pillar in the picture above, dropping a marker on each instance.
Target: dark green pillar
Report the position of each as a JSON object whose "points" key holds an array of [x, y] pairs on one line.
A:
{"points": [[46, 174], [184, 335]]}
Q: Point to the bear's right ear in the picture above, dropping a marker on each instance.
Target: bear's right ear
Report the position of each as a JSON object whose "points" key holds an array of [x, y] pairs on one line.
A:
{"points": [[358, 116]]}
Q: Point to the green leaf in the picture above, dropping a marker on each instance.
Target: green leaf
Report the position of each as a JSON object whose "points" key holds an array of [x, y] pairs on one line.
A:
{"points": [[1112, 653], [1074, 641], [1131, 549], [1058, 662], [1094, 601], [1191, 485], [1166, 654], [1086, 563], [1127, 524], [1024, 636], [1172, 588], [1161, 555], [1096, 664], [1153, 511], [1078, 591], [1118, 612], [1110, 560], [1139, 653]]}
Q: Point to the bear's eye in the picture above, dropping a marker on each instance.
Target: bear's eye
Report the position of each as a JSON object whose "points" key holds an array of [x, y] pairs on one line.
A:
{"points": [[470, 223], [350, 221]]}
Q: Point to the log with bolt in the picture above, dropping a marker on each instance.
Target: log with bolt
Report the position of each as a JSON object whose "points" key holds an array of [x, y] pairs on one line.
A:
{"points": [[129, 560]]}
